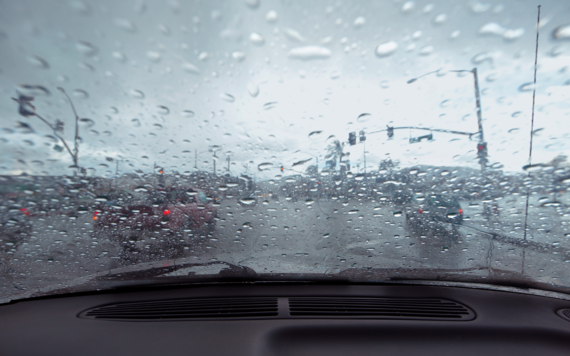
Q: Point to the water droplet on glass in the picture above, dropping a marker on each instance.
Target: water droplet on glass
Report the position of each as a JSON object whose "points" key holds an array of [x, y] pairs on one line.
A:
{"points": [[513, 34], [359, 22], [386, 49], [256, 39], [137, 94], [384, 84], [440, 19], [227, 97], [154, 56], [562, 32], [238, 55], [163, 110], [188, 113], [271, 16], [80, 93], [190, 68], [526, 87], [252, 4], [247, 201], [315, 134], [125, 25], [397, 213], [85, 48], [253, 89], [264, 166], [309, 201], [121, 57], [38, 62], [310, 53], [33, 90], [491, 28]]}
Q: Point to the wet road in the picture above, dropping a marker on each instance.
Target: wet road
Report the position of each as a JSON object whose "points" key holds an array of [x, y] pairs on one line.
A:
{"points": [[322, 236]]}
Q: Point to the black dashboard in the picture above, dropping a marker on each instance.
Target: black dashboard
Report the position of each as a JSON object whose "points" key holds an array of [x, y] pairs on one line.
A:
{"points": [[288, 319]]}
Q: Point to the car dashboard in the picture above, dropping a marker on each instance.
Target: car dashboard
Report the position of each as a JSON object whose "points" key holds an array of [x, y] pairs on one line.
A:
{"points": [[288, 319]]}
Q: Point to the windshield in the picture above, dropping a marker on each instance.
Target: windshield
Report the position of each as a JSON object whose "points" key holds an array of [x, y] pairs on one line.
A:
{"points": [[355, 140]]}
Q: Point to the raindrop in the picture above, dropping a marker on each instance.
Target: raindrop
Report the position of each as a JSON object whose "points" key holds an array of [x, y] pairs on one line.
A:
{"points": [[426, 50], [386, 49], [491, 28], [140, 189], [253, 89], [238, 55], [562, 32], [270, 105], [163, 110], [397, 213], [384, 84], [80, 93], [247, 201], [408, 6], [440, 19], [164, 29], [271, 16], [85, 48], [33, 90], [359, 177], [359, 22], [158, 126], [227, 97], [137, 94], [154, 56], [125, 25], [482, 57], [190, 68], [354, 211], [526, 87], [326, 236], [38, 62], [264, 166], [309, 201], [203, 56], [315, 134], [478, 7], [513, 34], [87, 122], [310, 53], [188, 113], [252, 4], [121, 57], [256, 39], [516, 114]]}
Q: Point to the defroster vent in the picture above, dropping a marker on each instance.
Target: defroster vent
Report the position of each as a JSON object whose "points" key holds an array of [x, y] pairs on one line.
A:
{"points": [[283, 308], [194, 308]]}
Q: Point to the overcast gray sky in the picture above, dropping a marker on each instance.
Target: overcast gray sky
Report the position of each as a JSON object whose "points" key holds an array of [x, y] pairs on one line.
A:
{"points": [[160, 80]]}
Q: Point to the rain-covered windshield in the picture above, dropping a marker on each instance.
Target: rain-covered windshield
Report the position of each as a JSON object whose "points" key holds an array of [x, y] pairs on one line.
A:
{"points": [[287, 138]]}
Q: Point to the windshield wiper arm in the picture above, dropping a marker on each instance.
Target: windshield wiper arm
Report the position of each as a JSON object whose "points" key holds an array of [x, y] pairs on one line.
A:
{"points": [[231, 271]]}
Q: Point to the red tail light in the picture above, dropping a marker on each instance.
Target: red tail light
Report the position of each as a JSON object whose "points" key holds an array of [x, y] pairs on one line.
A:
{"points": [[167, 212], [95, 215], [25, 211], [460, 211], [420, 210]]}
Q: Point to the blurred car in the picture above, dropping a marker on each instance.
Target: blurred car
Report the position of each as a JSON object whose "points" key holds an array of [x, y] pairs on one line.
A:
{"points": [[427, 212], [15, 227]]}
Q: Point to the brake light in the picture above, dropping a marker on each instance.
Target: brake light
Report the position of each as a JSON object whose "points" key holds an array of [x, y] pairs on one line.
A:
{"points": [[167, 212], [420, 210], [460, 211], [95, 215], [25, 211]]}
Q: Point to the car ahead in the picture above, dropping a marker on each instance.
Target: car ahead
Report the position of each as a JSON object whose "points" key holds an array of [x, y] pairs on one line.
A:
{"points": [[162, 214], [429, 212]]}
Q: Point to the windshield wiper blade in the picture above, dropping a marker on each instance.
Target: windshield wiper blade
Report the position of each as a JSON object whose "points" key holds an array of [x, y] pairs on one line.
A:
{"points": [[231, 271]]}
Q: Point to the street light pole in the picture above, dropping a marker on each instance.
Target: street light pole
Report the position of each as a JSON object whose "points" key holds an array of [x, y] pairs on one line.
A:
{"points": [[482, 145]]}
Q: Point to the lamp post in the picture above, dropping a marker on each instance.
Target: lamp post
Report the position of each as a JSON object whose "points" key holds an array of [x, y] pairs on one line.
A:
{"points": [[481, 145]]}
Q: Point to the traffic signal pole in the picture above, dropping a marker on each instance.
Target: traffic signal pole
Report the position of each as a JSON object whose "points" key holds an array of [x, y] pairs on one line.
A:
{"points": [[482, 143]]}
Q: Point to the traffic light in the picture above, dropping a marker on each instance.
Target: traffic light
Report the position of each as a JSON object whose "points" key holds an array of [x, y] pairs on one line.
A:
{"points": [[362, 137], [352, 138], [390, 131], [281, 168], [482, 152]]}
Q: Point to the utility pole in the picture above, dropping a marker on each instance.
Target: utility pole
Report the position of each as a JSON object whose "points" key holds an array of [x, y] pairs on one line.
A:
{"points": [[196, 158], [229, 165]]}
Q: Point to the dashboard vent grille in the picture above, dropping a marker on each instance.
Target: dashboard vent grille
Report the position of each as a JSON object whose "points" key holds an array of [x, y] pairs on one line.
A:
{"points": [[196, 308], [283, 308], [379, 308]]}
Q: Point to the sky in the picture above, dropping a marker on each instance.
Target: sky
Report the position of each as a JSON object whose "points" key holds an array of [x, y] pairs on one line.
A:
{"points": [[271, 83]]}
